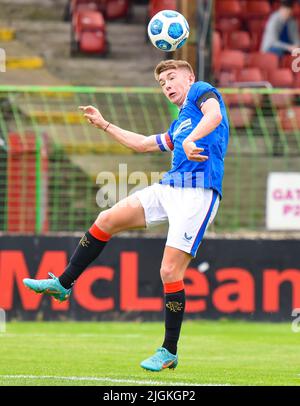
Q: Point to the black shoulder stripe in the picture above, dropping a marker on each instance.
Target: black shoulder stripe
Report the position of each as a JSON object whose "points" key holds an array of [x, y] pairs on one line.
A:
{"points": [[202, 99]]}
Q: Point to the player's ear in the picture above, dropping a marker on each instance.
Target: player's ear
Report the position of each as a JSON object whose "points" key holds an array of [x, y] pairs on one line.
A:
{"points": [[191, 79]]}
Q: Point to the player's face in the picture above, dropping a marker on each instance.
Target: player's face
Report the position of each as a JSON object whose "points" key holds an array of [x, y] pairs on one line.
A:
{"points": [[175, 84]]}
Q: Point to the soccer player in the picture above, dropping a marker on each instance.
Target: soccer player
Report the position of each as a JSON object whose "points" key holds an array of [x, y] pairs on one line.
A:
{"points": [[187, 196]]}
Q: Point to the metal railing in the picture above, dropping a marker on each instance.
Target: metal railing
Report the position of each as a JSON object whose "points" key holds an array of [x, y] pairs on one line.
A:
{"points": [[50, 157]]}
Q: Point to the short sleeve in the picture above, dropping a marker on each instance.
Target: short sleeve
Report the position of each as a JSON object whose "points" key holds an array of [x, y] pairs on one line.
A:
{"points": [[202, 91]]}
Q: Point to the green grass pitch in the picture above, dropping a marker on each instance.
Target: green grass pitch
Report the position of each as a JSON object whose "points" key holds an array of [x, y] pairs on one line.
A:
{"points": [[108, 354]]}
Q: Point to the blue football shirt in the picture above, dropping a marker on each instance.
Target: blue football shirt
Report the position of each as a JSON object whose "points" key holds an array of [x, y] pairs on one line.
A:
{"points": [[185, 173]]}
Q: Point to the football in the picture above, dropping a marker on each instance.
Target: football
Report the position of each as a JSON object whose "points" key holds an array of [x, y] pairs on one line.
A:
{"points": [[168, 30]]}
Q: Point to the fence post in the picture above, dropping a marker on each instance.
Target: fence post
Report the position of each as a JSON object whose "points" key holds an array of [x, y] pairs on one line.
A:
{"points": [[2, 321], [2, 60]]}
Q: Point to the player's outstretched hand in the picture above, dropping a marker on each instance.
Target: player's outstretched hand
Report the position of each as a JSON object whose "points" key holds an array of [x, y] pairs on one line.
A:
{"points": [[94, 116], [193, 153]]}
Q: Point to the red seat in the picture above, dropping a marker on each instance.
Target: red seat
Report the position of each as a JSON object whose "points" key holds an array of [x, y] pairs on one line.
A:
{"points": [[87, 21], [256, 28], [93, 42], [266, 62], [297, 80], [226, 79], [281, 78], [239, 40], [228, 8], [240, 117], [250, 75], [257, 25], [227, 25], [232, 60], [296, 10], [287, 61], [216, 51], [282, 100], [158, 5], [117, 9], [243, 99], [257, 9], [290, 118], [86, 5], [275, 5]]}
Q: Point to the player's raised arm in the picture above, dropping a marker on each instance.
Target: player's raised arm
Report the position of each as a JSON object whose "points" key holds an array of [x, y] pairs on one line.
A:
{"points": [[137, 142], [212, 117]]}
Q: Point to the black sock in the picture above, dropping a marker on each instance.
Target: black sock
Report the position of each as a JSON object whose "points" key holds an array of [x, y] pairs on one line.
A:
{"points": [[86, 252], [174, 311]]}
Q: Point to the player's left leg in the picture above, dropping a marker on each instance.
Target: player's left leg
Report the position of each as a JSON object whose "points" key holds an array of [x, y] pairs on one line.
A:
{"points": [[173, 267]]}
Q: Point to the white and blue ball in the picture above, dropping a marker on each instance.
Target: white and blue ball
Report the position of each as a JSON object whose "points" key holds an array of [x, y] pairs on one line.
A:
{"points": [[168, 30]]}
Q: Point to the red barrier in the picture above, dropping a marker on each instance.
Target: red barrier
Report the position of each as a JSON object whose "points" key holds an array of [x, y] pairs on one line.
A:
{"points": [[27, 169]]}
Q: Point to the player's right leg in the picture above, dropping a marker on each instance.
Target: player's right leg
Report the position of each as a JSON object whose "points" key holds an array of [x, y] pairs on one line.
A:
{"points": [[125, 215]]}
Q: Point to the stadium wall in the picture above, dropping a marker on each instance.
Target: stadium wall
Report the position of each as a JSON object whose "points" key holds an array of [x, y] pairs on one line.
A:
{"points": [[230, 278]]}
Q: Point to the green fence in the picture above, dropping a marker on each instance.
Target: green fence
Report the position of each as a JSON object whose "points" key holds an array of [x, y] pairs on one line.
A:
{"points": [[50, 158]]}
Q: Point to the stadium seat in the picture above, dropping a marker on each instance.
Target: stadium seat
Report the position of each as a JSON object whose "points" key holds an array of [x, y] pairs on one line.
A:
{"points": [[266, 62], [287, 61], [92, 42], [275, 5], [85, 5], [232, 60], [289, 118], [117, 9], [253, 76], [296, 84], [282, 100], [256, 28], [281, 78], [258, 9], [227, 25], [239, 40], [250, 75], [158, 5], [228, 8], [296, 11], [243, 99], [216, 51], [88, 33], [240, 117], [226, 79]]}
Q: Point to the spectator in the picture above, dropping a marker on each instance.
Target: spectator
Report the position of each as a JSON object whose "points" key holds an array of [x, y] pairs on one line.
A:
{"points": [[281, 34]]}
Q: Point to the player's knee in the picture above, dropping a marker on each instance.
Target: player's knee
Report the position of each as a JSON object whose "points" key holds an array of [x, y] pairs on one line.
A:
{"points": [[105, 222], [168, 272]]}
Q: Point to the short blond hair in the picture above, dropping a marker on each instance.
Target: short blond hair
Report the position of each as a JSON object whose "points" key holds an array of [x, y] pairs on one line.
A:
{"points": [[171, 64]]}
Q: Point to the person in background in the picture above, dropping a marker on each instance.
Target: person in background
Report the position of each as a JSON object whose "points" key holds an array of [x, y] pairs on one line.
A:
{"points": [[281, 35]]}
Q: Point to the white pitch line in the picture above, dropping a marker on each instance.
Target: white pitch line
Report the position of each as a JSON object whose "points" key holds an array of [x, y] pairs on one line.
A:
{"points": [[62, 335], [108, 380]]}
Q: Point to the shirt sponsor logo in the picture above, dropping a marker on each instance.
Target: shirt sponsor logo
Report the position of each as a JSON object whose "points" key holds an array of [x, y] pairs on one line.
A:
{"points": [[185, 125]]}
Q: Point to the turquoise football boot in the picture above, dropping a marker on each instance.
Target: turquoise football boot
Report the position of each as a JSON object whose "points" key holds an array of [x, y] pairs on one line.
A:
{"points": [[162, 359], [50, 287]]}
